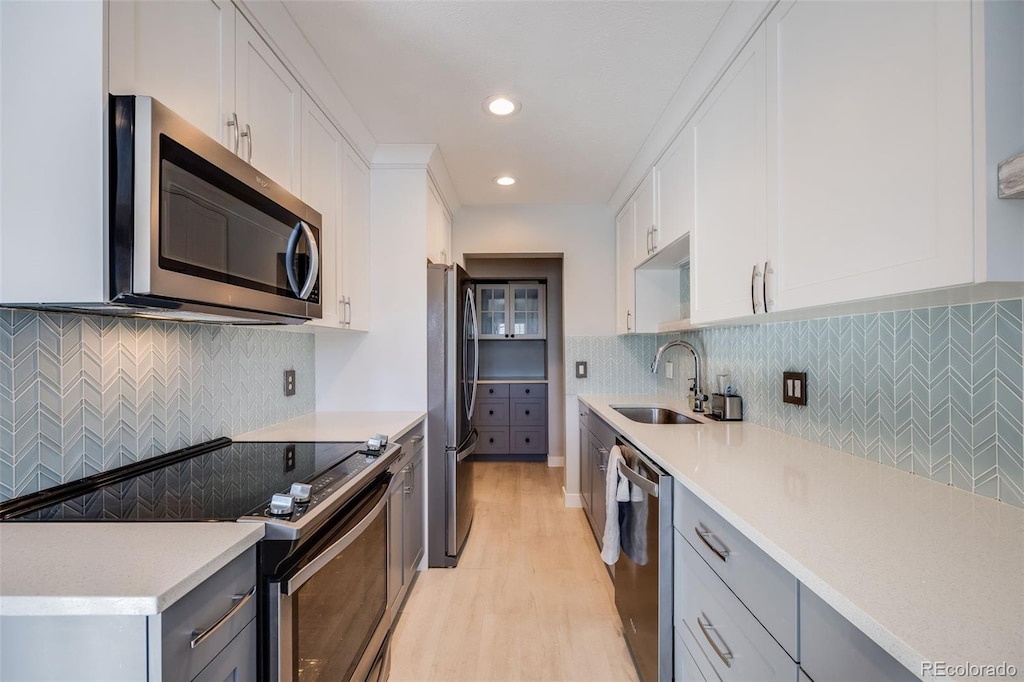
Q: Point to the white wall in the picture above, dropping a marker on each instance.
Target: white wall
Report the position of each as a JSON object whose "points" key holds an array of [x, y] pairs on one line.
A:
{"points": [[585, 235], [385, 368]]}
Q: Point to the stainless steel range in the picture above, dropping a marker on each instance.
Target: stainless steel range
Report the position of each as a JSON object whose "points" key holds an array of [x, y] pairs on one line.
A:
{"points": [[322, 603]]}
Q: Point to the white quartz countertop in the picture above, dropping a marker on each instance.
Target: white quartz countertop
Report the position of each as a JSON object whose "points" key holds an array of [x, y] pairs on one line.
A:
{"points": [[928, 571], [111, 569], [337, 426]]}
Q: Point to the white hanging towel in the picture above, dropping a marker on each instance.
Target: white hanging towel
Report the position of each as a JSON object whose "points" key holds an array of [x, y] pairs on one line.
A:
{"points": [[616, 489]]}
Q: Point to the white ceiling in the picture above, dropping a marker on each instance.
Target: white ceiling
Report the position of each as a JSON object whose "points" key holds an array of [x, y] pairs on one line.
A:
{"points": [[593, 77]]}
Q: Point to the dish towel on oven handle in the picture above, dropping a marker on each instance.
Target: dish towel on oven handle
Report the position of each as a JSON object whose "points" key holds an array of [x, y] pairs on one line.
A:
{"points": [[616, 489]]}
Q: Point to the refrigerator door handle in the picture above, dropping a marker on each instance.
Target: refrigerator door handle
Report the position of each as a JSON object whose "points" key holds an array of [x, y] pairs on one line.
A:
{"points": [[471, 323]]}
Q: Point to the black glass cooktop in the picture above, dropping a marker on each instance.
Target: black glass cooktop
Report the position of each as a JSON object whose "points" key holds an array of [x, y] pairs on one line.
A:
{"points": [[218, 481]]}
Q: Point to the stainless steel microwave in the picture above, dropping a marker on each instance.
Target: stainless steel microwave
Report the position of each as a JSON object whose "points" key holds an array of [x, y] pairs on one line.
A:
{"points": [[198, 234]]}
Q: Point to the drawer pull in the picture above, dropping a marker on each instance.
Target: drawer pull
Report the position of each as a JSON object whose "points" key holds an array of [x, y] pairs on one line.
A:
{"points": [[527, 439], [492, 440], [490, 412], [724, 653], [527, 413], [704, 534], [198, 637], [527, 390], [490, 390]]}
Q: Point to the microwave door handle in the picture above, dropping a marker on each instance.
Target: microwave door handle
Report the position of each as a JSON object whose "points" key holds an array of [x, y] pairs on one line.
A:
{"points": [[302, 229]]}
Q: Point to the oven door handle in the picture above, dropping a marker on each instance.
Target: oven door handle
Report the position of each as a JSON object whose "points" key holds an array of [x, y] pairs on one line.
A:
{"points": [[307, 572]]}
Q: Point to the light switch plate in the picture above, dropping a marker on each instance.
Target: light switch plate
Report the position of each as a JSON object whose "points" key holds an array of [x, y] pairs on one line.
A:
{"points": [[794, 388], [668, 370], [581, 369]]}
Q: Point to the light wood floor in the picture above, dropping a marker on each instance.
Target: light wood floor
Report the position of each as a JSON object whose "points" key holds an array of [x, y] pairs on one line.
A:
{"points": [[530, 599]]}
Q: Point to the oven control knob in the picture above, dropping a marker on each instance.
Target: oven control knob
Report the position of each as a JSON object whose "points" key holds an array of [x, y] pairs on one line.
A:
{"points": [[300, 492], [282, 505]]}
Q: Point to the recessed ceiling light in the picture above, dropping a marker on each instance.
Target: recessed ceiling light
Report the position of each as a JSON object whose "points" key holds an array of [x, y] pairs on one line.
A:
{"points": [[501, 105], [505, 180]]}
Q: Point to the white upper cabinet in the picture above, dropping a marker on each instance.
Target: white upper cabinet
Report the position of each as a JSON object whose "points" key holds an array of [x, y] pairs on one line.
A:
{"points": [[268, 101], [675, 191], [336, 183], [355, 240], [729, 233], [322, 189], [439, 228], [181, 53], [870, 123], [624, 262], [646, 228]]}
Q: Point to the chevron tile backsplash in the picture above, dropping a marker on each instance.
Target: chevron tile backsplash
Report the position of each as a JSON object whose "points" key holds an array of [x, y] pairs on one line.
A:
{"points": [[612, 363], [83, 394], [935, 391]]}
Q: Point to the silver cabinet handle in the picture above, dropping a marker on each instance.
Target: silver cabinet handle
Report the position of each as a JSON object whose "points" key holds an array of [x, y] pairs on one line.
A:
{"points": [[753, 280], [650, 241], [654, 238], [768, 270], [754, 275], [724, 653], [302, 229], [415, 439], [408, 490], [706, 535], [628, 314], [248, 136], [233, 124], [348, 310], [200, 636]]}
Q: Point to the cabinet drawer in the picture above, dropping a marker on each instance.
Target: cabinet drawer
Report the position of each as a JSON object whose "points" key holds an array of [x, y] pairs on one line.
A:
{"points": [[736, 646], [200, 610], [236, 662], [685, 667], [492, 441], [491, 412], [528, 441], [528, 390], [831, 648], [529, 411], [493, 391], [767, 589]]}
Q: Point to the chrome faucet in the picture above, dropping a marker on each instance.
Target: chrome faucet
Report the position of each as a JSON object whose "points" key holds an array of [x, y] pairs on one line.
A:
{"points": [[699, 397]]}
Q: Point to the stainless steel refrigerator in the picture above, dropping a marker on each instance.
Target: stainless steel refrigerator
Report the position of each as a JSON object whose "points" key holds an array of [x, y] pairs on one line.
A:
{"points": [[453, 371]]}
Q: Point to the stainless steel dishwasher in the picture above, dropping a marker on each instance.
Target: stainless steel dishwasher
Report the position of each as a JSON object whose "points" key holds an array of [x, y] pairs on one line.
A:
{"points": [[643, 572]]}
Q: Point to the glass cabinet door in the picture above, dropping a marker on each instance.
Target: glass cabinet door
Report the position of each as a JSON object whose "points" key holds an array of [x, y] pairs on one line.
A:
{"points": [[527, 311], [492, 307]]}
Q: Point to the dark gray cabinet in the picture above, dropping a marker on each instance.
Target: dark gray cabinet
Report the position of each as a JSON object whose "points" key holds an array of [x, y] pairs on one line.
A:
{"points": [[596, 441], [405, 519], [512, 419]]}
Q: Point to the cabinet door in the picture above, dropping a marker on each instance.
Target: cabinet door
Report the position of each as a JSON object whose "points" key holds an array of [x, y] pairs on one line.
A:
{"points": [[396, 523], [355, 243], [870, 110], [413, 530], [598, 481], [492, 307], [587, 473], [268, 100], [675, 190], [645, 230], [624, 250], [438, 228], [182, 54], [237, 661], [527, 311], [322, 190], [729, 233]]}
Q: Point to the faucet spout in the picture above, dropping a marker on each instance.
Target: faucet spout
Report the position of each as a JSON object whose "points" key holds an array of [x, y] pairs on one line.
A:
{"points": [[696, 364]]}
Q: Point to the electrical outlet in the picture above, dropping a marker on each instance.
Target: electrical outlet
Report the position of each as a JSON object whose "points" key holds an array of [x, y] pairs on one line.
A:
{"points": [[794, 388], [289, 458], [581, 369], [289, 382], [668, 370]]}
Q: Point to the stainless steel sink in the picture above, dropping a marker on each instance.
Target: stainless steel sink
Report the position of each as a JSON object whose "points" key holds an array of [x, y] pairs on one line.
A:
{"points": [[654, 415]]}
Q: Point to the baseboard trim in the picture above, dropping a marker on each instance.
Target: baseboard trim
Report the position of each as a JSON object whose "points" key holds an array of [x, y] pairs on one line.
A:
{"points": [[556, 462], [572, 500]]}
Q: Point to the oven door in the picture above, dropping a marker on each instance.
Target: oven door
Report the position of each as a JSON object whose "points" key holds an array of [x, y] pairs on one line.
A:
{"points": [[328, 612], [206, 227]]}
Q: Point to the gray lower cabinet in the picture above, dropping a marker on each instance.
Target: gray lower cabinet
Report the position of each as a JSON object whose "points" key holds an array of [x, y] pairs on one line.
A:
{"points": [[511, 419], [596, 441], [405, 519], [832, 649], [209, 635]]}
